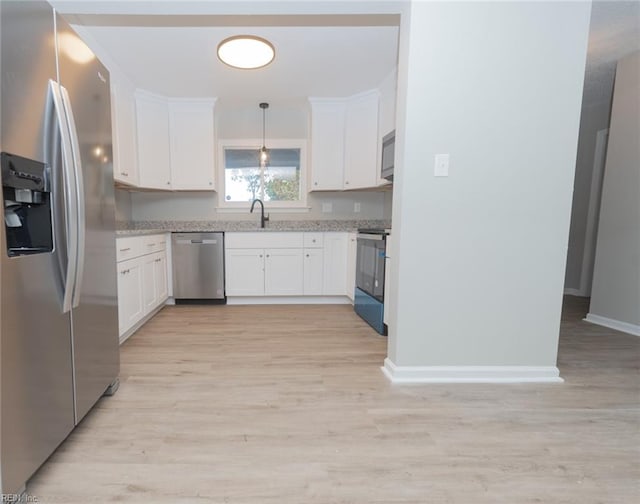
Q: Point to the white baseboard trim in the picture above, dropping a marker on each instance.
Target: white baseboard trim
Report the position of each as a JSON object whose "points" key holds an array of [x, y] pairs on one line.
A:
{"points": [[470, 374], [258, 300], [613, 324], [575, 292]]}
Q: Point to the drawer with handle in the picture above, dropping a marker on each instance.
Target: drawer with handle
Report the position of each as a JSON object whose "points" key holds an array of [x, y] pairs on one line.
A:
{"points": [[154, 243], [128, 247], [313, 240]]}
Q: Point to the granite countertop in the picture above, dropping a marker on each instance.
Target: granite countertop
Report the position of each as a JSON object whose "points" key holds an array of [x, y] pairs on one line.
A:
{"points": [[139, 232], [135, 228]]}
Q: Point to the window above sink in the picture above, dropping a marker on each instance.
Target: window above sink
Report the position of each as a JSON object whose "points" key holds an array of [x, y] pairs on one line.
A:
{"points": [[281, 183]]}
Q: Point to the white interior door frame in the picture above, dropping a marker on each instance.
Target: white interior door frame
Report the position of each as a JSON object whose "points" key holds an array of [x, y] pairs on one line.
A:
{"points": [[593, 212]]}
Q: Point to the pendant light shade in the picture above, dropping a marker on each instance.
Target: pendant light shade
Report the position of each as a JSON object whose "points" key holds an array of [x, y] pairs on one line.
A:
{"points": [[264, 152], [246, 52]]}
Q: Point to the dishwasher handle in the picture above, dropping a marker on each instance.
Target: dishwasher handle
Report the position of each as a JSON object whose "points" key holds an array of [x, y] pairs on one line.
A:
{"points": [[196, 242]]}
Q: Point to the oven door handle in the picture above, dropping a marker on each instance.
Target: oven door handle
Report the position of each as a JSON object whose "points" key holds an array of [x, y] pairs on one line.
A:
{"points": [[376, 237]]}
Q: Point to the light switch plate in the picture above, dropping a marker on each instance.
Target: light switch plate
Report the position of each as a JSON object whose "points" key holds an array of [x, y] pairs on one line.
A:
{"points": [[356, 207], [327, 207], [441, 167]]}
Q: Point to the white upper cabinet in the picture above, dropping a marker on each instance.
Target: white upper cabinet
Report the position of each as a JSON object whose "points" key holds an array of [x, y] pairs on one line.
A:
{"points": [[192, 144], [361, 142], [123, 124], [175, 143], [154, 159], [344, 142], [327, 144]]}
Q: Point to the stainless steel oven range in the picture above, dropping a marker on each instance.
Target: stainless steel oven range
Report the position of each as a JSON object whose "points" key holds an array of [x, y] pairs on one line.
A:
{"points": [[370, 266]]}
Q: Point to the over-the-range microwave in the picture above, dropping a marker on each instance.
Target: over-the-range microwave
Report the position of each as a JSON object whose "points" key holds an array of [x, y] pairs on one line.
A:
{"points": [[388, 155]]}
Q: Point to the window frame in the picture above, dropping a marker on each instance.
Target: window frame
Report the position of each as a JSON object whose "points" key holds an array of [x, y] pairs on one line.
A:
{"points": [[244, 143]]}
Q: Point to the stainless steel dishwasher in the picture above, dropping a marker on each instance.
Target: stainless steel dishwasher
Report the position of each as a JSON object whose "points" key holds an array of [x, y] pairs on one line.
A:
{"points": [[198, 267]]}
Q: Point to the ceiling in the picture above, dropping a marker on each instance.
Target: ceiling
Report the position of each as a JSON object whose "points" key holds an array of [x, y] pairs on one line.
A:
{"points": [[614, 33], [317, 55], [176, 55]]}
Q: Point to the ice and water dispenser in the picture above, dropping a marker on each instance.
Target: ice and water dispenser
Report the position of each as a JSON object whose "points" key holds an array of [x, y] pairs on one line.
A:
{"points": [[26, 192]]}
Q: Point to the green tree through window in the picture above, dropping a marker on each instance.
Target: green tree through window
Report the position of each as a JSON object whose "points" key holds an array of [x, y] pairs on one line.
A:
{"points": [[246, 180]]}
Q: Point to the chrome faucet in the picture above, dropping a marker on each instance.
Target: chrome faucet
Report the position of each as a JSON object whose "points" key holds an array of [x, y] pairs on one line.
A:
{"points": [[263, 219]]}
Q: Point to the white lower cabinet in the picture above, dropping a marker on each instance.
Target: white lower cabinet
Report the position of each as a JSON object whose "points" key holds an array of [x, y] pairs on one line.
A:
{"points": [[130, 303], [286, 264], [283, 272], [335, 264], [142, 279], [148, 282], [352, 251], [160, 276], [154, 280], [264, 272], [313, 272], [244, 272]]}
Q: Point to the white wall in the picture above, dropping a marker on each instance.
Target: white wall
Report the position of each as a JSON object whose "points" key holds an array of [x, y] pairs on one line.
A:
{"points": [[123, 205], [235, 121], [183, 206], [388, 92], [615, 296], [388, 205], [498, 86]]}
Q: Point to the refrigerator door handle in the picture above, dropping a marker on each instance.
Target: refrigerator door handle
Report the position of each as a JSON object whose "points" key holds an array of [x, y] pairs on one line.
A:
{"points": [[78, 195], [68, 177]]}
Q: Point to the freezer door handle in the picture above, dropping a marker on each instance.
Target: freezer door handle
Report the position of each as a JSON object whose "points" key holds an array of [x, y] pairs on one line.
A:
{"points": [[70, 201], [78, 196]]}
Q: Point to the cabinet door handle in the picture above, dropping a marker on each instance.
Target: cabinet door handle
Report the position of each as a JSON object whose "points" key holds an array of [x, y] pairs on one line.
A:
{"points": [[124, 174], [307, 255], [260, 255], [125, 249], [267, 255], [151, 244]]}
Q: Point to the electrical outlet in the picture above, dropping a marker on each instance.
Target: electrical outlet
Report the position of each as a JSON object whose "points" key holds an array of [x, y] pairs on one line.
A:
{"points": [[327, 207], [356, 207]]}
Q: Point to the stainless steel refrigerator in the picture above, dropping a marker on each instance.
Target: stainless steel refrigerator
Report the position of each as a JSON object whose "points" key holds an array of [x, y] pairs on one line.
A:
{"points": [[59, 321]]}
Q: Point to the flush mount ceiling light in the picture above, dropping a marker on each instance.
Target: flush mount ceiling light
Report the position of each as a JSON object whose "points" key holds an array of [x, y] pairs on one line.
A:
{"points": [[246, 51]]}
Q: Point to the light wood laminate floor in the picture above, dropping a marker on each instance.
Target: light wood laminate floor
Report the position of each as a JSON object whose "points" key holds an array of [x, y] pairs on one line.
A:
{"points": [[287, 404]]}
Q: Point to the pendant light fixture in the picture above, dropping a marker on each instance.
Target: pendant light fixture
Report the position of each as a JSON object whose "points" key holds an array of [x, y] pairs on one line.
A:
{"points": [[264, 153]]}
